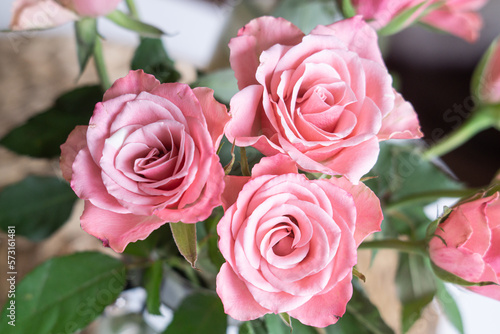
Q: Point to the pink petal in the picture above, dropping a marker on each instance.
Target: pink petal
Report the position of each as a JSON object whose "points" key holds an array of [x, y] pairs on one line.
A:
{"points": [[215, 113], [183, 97], [369, 214], [401, 123], [233, 186], [133, 83], [117, 230], [237, 300], [77, 140], [326, 309], [33, 14], [94, 8], [200, 209], [357, 35], [466, 25], [256, 36], [87, 183], [275, 165], [245, 109]]}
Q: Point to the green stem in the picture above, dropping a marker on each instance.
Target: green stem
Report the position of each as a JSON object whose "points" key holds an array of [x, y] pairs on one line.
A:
{"points": [[478, 121], [429, 196], [132, 8], [413, 247], [100, 64]]}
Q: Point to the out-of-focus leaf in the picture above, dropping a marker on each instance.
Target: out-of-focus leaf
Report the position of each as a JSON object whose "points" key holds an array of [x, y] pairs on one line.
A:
{"points": [[399, 174], [127, 22], [42, 134], [86, 34], [152, 283], [152, 57], [308, 14], [222, 81], [185, 239], [63, 295], [201, 312], [361, 316], [416, 287], [37, 206], [254, 327], [449, 306]]}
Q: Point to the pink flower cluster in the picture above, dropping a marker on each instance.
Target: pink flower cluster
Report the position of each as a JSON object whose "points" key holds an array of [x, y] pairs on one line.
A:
{"points": [[320, 103], [457, 17]]}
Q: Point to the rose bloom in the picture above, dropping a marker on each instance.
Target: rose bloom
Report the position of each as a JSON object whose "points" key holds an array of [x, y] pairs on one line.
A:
{"points": [[148, 156], [457, 17], [40, 14], [325, 99], [471, 247], [290, 243]]}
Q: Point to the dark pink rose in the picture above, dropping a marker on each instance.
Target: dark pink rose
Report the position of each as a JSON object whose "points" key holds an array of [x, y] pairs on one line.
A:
{"points": [[40, 14], [325, 99], [470, 244], [148, 156], [290, 243], [457, 17]]}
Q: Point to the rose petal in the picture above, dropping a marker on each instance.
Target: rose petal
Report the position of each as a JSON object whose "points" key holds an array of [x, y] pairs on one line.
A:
{"points": [[215, 113], [117, 230], [75, 142], [133, 83]]}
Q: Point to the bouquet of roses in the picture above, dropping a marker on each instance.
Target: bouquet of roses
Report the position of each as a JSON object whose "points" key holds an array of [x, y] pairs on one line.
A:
{"points": [[257, 200]]}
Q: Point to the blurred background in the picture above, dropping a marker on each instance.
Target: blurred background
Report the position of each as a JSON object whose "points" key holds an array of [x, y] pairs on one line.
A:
{"points": [[433, 72]]}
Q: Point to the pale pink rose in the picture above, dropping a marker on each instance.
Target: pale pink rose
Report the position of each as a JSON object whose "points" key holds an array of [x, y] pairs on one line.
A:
{"points": [[325, 99], [457, 17], [41, 14], [290, 242], [488, 89], [148, 156], [471, 247]]}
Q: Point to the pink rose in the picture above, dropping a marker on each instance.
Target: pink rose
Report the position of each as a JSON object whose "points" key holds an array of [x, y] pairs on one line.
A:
{"points": [[148, 156], [325, 99], [457, 17], [470, 244], [290, 243], [40, 14]]}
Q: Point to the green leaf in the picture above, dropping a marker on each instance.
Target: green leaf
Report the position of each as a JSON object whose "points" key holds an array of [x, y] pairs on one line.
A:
{"points": [[416, 287], [42, 135], [308, 14], [86, 35], [449, 306], [398, 175], [127, 22], [362, 316], [185, 239], [222, 81], [275, 324], [201, 312], [152, 284], [399, 22], [63, 295], [37, 206], [152, 57], [254, 327], [253, 156]]}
